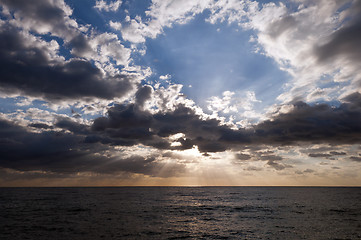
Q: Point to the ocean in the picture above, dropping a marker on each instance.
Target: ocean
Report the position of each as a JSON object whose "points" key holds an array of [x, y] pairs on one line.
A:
{"points": [[180, 213]]}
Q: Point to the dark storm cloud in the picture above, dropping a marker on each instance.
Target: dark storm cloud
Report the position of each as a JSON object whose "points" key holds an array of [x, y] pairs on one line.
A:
{"points": [[52, 16], [337, 153], [318, 123], [66, 153], [345, 41], [40, 125], [23, 150], [79, 45], [354, 100], [127, 125], [355, 159], [130, 124], [325, 155], [316, 155], [41, 10], [144, 93], [209, 135], [28, 70], [70, 125]]}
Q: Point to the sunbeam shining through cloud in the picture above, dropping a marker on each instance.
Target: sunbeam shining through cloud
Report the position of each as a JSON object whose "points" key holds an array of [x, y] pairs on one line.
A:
{"points": [[162, 92]]}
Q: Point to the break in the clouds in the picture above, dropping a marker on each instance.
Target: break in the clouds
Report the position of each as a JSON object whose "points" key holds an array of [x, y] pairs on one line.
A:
{"points": [[182, 93]]}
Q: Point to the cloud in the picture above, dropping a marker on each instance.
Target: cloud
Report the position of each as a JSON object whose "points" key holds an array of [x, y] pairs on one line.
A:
{"points": [[30, 67], [273, 160], [300, 40], [253, 168], [318, 123], [345, 40], [308, 170], [43, 17], [161, 14], [343, 43], [337, 153], [294, 39], [280, 26], [54, 19], [67, 153], [144, 93], [317, 155], [129, 124], [242, 156], [26, 151], [106, 48], [233, 102], [83, 148], [270, 158], [72, 126], [80, 45], [40, 125], [278, 166], [355, 159], [112, 6]]}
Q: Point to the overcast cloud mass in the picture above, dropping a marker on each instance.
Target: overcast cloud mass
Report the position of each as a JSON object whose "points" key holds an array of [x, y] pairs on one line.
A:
{"points": [[108, 92]]}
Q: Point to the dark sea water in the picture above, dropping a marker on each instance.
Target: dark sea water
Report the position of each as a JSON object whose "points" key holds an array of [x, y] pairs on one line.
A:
{"points": [[180, 213]]}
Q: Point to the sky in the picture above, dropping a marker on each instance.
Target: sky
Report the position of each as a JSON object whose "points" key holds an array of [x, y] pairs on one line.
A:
{"points": [[180, 93]]}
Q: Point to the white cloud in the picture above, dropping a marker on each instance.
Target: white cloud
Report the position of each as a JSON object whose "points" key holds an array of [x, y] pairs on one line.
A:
{"points": [[102, 5], [217, 104], [161, 14], [228, 10], [83, 40], [30, 17], [33, 115], [165, 98], [26, 101], [239, 104], [107, 46], [290, 38], [165, 77], [134, 31]]}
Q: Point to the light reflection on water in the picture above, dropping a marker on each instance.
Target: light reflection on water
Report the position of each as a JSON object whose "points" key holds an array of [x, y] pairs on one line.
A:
{"points": [[180, 212]]}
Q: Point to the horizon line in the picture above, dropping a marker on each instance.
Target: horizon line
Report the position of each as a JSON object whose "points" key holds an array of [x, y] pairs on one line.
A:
{"points": [[190, 186]]}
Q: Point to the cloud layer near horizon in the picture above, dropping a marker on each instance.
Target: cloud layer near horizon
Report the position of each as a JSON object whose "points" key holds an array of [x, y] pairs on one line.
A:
{"points": [[78, 147]]}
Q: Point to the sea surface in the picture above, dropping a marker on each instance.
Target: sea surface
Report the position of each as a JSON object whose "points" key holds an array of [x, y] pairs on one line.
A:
{"points": [[180, 213]]}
